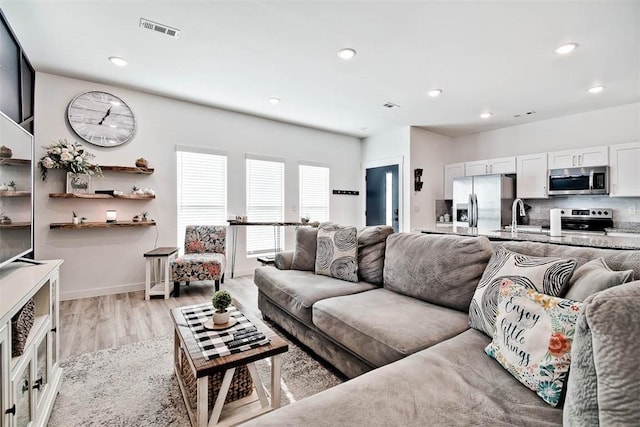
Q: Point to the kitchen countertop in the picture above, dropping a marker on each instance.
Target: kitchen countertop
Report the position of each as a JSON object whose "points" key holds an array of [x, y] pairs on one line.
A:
{"points": [[594, 241]]}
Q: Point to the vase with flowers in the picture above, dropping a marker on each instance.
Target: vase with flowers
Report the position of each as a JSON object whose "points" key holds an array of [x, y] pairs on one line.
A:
{"points": [[73, 158]]}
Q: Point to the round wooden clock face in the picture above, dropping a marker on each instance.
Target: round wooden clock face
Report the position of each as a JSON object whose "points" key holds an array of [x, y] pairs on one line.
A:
{"points": [[101, 118]]}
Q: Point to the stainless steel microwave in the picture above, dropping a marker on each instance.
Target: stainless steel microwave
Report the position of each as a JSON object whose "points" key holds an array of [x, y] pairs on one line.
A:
{"points": [[592, 180]]}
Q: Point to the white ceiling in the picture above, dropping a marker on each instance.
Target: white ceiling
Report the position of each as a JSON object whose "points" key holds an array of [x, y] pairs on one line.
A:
{"points": [[493, 56]]}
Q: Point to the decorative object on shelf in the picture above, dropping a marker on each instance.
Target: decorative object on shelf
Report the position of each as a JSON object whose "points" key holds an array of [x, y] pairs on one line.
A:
{"points": [[69, 156], [148, 192], [4, 187], [21, 324], [83, 220], [137, 191], [447, 217], [305, 219], [74, 219], [78, 183], [111, 215], [221, 300], [144, 216], [142, 163], [101, 119], [5, 152], [4, 220], [136, 218], [11, 186]]}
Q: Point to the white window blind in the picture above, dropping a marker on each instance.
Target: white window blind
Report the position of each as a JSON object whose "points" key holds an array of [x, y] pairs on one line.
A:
{"points": [[314, 192], [202, 190], [265, 203]]}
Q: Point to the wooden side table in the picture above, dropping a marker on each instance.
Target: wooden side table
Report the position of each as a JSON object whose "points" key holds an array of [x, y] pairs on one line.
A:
{"points": [[187, 351], [159, 260]]}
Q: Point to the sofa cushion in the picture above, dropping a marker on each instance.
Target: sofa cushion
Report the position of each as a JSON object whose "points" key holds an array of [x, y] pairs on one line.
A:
{"points": [[593, 277], [604, 381], [296, 291], [304, 257], [337, 253], [371, 247], [533, 338], [442, 270], [548, 275], [450, 384], [382, 326], [616, 259]]}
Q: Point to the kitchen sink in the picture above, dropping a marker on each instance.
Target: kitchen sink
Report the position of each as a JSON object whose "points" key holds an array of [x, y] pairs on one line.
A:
{"points": [[528, 229]]}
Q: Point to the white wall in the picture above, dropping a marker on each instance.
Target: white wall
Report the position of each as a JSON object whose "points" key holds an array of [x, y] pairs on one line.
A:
{"points": [[428, 151], [601, 127], [390, 147], [107, 261]]}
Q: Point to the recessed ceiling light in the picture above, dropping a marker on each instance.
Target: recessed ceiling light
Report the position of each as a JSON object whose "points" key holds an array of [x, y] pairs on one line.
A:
{"points": [[346, 53], [486, 115], [566, 48], [597, 89], [120, 62], [274, 101], [435, 92]]}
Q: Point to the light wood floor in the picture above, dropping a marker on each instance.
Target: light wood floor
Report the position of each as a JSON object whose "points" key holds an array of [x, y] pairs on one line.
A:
{"points": [[91, 324]]}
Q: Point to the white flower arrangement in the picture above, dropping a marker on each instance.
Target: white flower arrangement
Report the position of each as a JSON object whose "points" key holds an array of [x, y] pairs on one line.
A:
{"points": [[70, 156]]}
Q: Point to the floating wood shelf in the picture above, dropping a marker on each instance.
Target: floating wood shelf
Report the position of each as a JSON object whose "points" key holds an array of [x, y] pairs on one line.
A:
{"points": [[98, 196], [15, 162], [69, 225], [15, 193], [127, 169], [16, 225]]}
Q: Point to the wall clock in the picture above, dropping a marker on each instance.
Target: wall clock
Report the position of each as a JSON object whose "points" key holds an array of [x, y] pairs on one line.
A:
{"points": [[101, 118]]}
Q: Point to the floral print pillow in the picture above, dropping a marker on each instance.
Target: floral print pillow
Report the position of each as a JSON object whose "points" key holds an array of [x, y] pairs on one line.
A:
{"points": [[533, 338]]}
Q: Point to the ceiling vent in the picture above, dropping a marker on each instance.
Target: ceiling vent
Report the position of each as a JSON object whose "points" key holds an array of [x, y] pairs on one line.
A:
{"points": [[528, 113], [390, 105], [159, 28]]}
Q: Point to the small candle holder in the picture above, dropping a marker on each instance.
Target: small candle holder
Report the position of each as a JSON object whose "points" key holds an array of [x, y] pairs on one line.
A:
{"points": [[111, 215]]}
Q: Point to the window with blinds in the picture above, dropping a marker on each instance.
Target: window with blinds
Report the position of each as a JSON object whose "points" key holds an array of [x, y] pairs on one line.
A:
{"points": [[265, 203], [314, 192], [202, 189]]}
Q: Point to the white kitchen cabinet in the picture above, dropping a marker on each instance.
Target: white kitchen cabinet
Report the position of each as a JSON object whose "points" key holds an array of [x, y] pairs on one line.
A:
{"points": [[451, 171], [4, 376], [503, 165], [532, 176], [624, 170], [583, 157]]}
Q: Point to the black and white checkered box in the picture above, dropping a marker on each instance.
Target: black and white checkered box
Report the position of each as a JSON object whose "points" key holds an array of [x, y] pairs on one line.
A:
{"points": [[213, 342]]}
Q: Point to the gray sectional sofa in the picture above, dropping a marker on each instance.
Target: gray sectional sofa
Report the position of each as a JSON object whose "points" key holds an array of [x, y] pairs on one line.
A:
{"points": [[414, 361]]}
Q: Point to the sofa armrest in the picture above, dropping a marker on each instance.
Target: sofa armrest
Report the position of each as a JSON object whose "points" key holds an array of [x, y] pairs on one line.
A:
{"points": [[283, 260], [604, 380]]}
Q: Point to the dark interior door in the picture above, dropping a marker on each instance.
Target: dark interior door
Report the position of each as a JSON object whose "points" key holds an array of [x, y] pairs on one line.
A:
{"points": [[382, 196]]}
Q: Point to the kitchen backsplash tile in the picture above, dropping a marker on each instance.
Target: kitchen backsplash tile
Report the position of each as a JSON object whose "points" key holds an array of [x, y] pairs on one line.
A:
{"points": [[622, 218]]}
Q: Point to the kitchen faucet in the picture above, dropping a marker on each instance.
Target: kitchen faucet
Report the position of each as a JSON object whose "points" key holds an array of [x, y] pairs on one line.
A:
{"points": [[514, 215]]}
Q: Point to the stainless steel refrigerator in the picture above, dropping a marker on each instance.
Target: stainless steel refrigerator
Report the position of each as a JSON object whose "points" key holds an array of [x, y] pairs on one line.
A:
{"points": [[483, 202]]}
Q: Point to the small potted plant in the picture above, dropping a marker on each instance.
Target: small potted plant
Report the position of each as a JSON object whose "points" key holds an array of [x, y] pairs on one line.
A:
{"points": [[12, 186], [221, 300], [144, 216], [74, 219]]}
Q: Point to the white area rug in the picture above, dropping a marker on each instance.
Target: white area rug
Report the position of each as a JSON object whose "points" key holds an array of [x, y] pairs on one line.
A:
{"points": [[134, 385]]}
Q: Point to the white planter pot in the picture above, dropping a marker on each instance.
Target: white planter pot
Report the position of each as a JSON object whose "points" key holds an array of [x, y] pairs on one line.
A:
{"points": [[220, 318]]}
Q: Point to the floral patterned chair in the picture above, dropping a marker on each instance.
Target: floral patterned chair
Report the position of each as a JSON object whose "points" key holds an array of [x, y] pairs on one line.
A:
{"points": [[204, 256]]}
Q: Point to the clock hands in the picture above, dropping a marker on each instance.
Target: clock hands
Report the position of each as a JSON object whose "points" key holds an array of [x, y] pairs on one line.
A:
{"points": [[105, 116]]}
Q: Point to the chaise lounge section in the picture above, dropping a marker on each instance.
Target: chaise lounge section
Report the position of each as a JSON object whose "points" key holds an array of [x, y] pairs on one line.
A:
{"points": [[417, 362]]}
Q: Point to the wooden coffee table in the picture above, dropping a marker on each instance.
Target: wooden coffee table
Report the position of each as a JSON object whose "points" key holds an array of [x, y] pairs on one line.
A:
{"points": [[258, 403]]}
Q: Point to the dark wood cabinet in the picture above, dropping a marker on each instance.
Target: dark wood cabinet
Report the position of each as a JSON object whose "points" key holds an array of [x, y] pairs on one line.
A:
{"points": [[17, 79]]}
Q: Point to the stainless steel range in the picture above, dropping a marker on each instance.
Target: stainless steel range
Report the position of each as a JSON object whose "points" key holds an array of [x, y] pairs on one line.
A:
{"points": [[586, 221]]}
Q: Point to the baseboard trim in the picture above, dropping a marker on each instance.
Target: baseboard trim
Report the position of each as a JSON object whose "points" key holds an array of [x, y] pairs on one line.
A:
{"points": [[98, 292]]}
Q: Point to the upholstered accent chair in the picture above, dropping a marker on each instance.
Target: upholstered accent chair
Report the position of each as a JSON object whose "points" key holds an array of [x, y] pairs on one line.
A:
{"points": [[204, 256]]}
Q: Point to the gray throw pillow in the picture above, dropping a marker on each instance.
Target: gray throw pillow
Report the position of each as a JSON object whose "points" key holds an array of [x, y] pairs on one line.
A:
{"points": [[593, 277], [337, 253], [304, 257], [546, 275], [371, 247]]}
